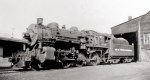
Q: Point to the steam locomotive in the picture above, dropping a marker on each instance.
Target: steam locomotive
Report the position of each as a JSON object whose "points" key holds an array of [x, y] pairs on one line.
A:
{"points": [[49, 46]]}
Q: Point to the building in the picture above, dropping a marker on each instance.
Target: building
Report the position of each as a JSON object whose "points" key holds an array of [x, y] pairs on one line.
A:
{"points": [[8, 46], [137, 32]]}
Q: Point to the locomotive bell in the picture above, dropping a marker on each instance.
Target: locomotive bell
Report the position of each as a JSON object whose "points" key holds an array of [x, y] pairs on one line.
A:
{"points": [[39, 21]]}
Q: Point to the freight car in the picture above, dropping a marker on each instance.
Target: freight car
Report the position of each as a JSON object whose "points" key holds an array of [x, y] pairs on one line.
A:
{"points": [[49, 46]]}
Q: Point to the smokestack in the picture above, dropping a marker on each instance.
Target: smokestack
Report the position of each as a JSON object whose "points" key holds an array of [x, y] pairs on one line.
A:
{"points": [[129, 18], [39, 21]]}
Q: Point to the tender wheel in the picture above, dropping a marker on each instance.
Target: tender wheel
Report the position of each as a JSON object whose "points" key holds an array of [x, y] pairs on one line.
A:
{"points": [[66, 64], [122, 60], [95, 60], [35, 65]]}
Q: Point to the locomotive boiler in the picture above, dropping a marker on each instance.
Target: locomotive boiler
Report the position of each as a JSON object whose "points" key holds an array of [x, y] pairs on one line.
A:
{"points": [[49, 46]]}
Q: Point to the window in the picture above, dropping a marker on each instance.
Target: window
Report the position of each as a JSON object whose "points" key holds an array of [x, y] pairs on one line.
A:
{"points": [[146, 38]]}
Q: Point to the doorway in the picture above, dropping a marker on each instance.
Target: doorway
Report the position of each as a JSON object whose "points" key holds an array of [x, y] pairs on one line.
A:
{"points": [[132, 38]]}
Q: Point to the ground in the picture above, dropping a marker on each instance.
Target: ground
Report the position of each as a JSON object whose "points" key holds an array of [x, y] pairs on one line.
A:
{"points": [[128, 71]]}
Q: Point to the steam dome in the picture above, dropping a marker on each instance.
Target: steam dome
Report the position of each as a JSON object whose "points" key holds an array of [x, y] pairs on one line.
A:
{"points": [[53, 25], [73, 28]]}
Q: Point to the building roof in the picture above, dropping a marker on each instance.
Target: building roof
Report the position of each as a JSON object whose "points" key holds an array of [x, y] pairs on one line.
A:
{"points": [[12, 40], [128, 26]]}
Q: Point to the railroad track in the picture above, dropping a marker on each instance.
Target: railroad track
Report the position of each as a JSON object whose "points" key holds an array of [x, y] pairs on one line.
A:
{"points": [[16, 70], [5, 71], [10, 70]]}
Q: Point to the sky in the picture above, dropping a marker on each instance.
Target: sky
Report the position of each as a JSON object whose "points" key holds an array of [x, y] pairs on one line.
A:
{"points": [[98, 15]]}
